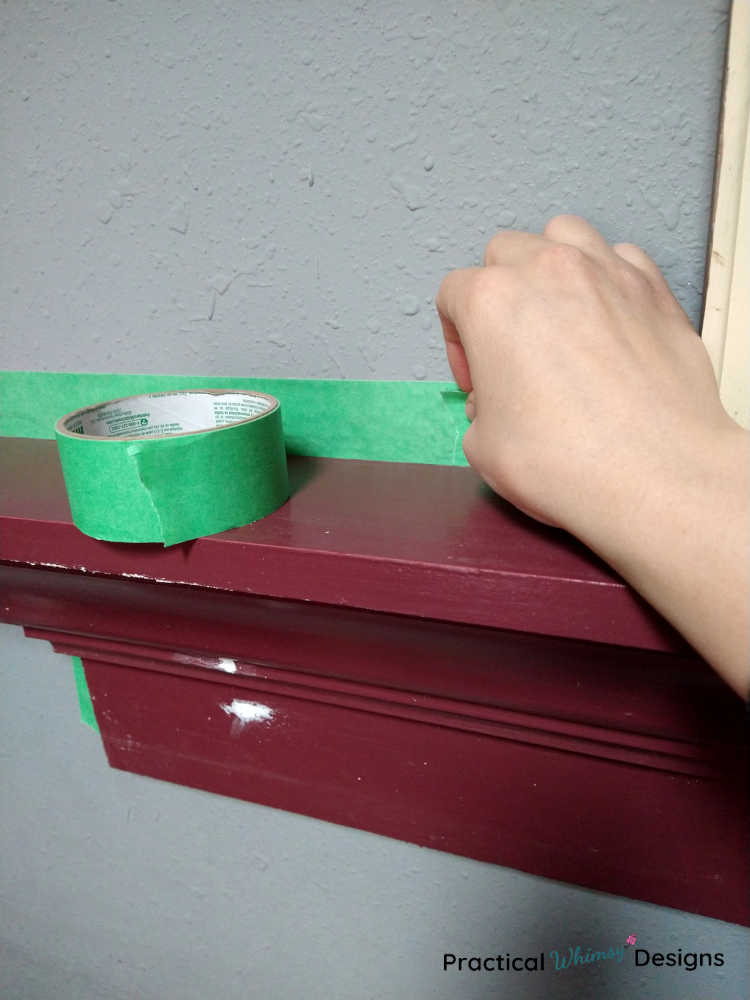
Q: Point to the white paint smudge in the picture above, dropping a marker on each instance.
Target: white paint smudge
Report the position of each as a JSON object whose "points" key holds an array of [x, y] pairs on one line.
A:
{"points": [[248, 711], [226, 664]]}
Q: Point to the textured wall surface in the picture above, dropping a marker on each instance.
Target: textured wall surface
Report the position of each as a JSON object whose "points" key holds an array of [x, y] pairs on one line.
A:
{"points": [[279, 187]]}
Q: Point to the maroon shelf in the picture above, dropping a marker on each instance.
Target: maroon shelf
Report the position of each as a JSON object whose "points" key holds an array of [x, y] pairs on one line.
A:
{"points": [[398, 650]]}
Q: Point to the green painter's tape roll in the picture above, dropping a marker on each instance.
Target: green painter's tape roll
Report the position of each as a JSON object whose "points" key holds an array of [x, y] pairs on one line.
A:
{"points": [[171, 466]]}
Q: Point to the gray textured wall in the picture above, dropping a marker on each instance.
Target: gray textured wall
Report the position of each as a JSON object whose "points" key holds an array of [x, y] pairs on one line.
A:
{"points": [[278, 188]]}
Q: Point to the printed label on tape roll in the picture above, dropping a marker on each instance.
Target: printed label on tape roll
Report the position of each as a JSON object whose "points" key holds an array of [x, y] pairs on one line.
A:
{"points": [[165, 413]]}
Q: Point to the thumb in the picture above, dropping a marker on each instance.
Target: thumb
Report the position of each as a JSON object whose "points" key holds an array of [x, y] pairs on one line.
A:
{"points": [[470, 443]]}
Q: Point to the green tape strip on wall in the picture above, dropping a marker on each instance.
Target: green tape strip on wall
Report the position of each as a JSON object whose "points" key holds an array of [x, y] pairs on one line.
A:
{"points": [[377, 421], [391, 421]]}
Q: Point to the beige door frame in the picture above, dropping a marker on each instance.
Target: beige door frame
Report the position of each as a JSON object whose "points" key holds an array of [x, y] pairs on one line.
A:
{"points": [[726, 314]]}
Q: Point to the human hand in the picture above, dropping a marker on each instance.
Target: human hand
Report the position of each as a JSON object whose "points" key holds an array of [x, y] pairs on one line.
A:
{"points": [[594, 408], [583, 371]]}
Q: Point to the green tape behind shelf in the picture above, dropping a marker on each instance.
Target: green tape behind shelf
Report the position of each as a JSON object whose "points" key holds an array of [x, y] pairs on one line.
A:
{"points": [[421, 422], [377, 421], [85, 704]]}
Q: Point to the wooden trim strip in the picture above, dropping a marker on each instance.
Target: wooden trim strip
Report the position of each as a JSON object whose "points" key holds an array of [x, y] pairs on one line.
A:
{"points": [[726, 313]]}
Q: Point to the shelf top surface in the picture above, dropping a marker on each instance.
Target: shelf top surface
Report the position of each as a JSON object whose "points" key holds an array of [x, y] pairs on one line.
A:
{"points": [[425, 540]]}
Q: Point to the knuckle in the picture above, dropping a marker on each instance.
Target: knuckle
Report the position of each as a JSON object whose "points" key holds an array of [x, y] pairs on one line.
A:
{"points": [[561, 227], [494, 248], [483, 291], [630, 249], [563, 260], [634, 280]]}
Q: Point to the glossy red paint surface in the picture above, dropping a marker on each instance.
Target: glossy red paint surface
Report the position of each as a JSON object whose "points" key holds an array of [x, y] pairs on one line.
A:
{"points": [[425, 540], [421, 664]]}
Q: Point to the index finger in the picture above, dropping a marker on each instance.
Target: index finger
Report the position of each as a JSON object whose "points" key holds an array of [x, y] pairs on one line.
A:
{"points": [[449, 302]]}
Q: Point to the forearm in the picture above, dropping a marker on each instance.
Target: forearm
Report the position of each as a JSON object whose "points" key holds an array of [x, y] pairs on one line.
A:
{"points": [[683, 543]]}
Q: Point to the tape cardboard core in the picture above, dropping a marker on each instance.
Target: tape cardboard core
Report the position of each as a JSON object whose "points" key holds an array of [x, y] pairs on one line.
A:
{"points": [[167, 413]]}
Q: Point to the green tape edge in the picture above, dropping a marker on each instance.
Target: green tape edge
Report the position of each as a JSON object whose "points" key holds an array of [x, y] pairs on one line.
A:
{"points": [[85, 704]]}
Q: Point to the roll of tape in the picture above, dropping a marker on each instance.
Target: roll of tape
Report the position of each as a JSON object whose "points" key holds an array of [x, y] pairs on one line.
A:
{"points": [[171, 466]]}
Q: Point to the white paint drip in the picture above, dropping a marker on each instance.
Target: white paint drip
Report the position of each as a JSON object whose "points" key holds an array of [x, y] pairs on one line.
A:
{"points": [[248, 711]]}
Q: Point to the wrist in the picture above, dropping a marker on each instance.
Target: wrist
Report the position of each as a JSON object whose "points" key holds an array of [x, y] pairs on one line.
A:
{"points": [[680, 535]]}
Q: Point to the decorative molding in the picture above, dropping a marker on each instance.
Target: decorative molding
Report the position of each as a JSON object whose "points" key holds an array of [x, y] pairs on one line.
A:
{"points": [[536, 729]]}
